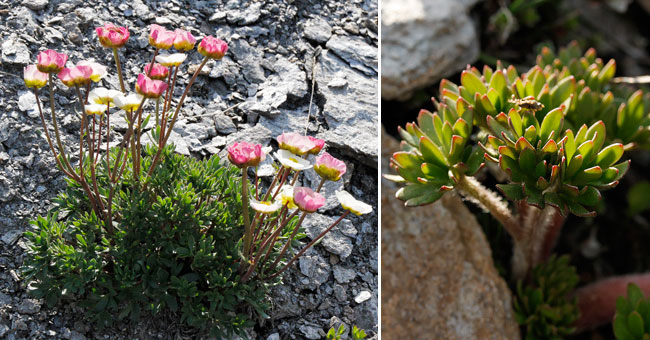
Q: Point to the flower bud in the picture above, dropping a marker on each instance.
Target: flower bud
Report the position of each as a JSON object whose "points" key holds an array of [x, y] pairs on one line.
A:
{"points": [[329, 167], [160, 37], [184, 40], [76, 76], [150, 88], [245, 154], [212, 47], [307, 200], [49, 61], [111, 36], [158, 72], [34, 78]]}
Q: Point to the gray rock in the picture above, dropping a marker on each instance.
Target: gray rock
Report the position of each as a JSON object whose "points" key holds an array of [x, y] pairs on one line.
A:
{"points": [[366, 315], [224, 124], [15, 52], [334, 241], [350, 111], [317, 30], [35, 4], [356, 52], [29, 306], [288, 82], [3, 329], [74, 335], [274, 336], [4, 300], [311, 331], [343, 275], [11, 236], [249, 58], [316, 268], [419, 47]]}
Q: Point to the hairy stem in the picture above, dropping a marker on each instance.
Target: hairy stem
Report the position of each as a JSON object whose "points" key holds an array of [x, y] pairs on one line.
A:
{"points": [[492, 202]]}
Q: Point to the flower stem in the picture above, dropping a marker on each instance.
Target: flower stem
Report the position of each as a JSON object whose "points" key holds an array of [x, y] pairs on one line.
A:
{"points": [[321, 235], [247, 223], [56, 128], [119, 69], [49, 140], [286, 245]]}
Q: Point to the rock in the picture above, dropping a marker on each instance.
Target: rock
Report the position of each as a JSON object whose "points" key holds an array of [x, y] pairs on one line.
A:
{"points": [[11, 236], [274, 336], [364, 295], [365, 316], [29, 306], [350, 111], [74, 335], [27, 103], [288, 82], [356, 52], [224, 124], [15, 52], [344, 275], [317, 30], [334, 241], [311, 331], [438, 278], [423, 41], [3, 329], [4, 300], [316, 268], [35, 4]]}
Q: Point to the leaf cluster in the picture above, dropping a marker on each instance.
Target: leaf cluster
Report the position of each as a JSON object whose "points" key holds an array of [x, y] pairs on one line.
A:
{"points": [[542, 306], [176, 247], [555, 130], [632, 319]]}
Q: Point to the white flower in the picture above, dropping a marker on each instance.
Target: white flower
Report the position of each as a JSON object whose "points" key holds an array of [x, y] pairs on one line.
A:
{"points": [[99, 70], [171, 59], [130, 102], [265, 207], [95, 109], [286, 196], [292, 161], [102, 95], [352, 204]]}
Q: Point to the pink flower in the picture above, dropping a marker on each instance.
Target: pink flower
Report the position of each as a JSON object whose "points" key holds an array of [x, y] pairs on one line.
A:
{"points": [[307, 200], [112, 36], [34, 78], [150, 88], [76, 76], [329, 167], [319, 145], [160, 37], [99, 70], [245, 154], [49, 61], [158, 72], [212, 47], [295, 143], [184, 40]]}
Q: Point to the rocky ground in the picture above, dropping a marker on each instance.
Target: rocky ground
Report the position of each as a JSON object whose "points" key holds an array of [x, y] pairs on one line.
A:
{"points": [[260, 89]]}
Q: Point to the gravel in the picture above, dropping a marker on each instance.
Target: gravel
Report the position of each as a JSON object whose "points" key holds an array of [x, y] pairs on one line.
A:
{"points": [[278, 50]]}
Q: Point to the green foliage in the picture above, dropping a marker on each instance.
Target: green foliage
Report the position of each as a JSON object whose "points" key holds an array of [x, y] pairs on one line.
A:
{"points": [[632, 319], [336, 334], [175, 247], [542, 306], [553, 130], [638, 198]]}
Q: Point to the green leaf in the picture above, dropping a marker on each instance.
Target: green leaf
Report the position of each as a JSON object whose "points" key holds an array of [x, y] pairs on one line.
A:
{"points": [[552, 122], [431, 153], [472, 83], [635, 324], [419, 194], [609, 155], [620, 328], [590, 196], [513, 192]]}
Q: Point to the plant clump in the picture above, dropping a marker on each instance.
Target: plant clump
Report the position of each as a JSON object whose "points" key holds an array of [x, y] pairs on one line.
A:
{"points": [[632, 319]]}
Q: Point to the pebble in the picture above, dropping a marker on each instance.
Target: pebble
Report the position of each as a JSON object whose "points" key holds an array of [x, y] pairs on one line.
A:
{"points": [[15, 52], [36, 4], [364, 295]]}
